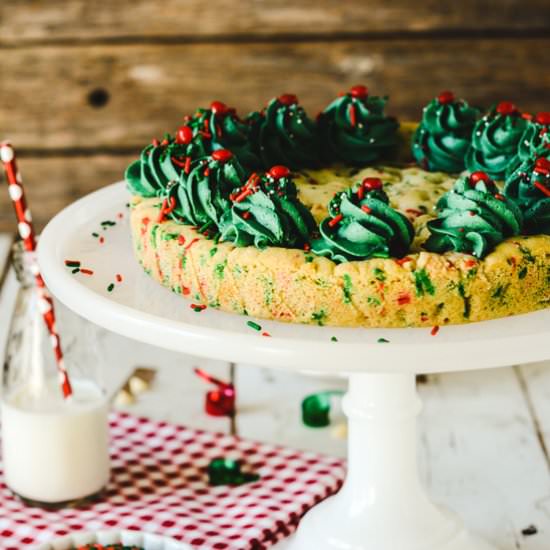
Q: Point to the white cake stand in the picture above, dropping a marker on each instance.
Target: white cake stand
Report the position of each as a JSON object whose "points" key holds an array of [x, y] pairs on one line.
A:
{"points": [[382, 505]]}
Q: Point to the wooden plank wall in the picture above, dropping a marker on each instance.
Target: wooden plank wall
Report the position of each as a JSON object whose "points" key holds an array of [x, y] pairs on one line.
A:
{"points": [[84, 84]]}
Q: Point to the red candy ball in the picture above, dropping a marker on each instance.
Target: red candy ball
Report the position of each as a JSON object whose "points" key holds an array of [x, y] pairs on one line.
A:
{"points": [[184, 135], [506, 108], [288, 99], [445, 97], [222, 155], [479, 176], [219, 108], [359, 92], [543, 118], [278, 172], [372, 183]]}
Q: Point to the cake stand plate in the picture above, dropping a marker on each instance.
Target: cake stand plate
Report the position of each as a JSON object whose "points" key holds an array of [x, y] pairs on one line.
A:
{"points": [[382, 505]]}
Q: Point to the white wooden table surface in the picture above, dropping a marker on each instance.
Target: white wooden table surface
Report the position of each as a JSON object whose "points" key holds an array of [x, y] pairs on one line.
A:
{"points": [[485, 435]]}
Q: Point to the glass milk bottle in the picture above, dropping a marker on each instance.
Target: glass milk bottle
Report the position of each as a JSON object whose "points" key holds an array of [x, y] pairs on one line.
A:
{"points": [[54, 450]]}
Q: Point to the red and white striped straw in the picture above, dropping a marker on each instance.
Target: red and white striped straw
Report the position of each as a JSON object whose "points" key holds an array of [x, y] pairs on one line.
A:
{"points": [[26, 232]]}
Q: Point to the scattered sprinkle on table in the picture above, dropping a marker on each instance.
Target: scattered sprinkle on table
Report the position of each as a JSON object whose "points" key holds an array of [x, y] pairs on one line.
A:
{"points": [[383, 341], [111, 287], [118, 278], [333, 339], [528, 531], [72, 263], [197, 308], [85, 271], [434, 330], [254, 325], [264, 333]]}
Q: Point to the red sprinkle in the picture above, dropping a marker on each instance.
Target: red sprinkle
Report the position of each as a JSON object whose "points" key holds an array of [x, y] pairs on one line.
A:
{"points": [[499, 197], [479, 176], [120, 215], [266, 334], [404, 298], [445, 97], [414, 212], [470, 263], [241, 196], [86, 271], [336, 220], [307, 247], [542, 166], [542, 188], [72, 263], [360, 192], [366, 209], [101, 240], [434, 330], [222, 155], [185, 291], [191, 243], [352, 115], [402, 261], [118, 278], [187, 166], [197, 306], [359, 91], [246, 215], [184, 135]]}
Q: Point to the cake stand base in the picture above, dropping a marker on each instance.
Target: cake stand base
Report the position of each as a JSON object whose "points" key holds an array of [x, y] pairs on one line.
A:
{"points": [[382, 505]]}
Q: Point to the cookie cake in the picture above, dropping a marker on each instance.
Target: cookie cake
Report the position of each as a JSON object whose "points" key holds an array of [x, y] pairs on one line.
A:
{"points": [[350, 219]]}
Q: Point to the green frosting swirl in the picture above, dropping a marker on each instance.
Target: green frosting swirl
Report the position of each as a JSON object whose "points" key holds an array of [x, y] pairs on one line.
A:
{"points": [[285, 135], [161, 163], [355, 130], [223, 129], [267, 212], [495, 140], [441, 140], [473, 218], [363, 225], [201, 197], [529, 188], [534, 142]]}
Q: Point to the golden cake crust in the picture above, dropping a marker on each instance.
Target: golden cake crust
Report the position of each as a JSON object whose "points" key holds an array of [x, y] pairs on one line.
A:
{"points": [[423, 289]]}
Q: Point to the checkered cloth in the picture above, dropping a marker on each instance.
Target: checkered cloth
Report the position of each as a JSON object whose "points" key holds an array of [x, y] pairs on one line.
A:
{"points": [[159, 485]]}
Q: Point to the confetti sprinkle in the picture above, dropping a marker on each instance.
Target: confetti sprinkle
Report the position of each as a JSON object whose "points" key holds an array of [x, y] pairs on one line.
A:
{"points": [[254, 325]]}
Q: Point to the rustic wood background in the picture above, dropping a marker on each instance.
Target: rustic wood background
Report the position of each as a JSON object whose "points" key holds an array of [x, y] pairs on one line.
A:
{"points": [[84, 84]]}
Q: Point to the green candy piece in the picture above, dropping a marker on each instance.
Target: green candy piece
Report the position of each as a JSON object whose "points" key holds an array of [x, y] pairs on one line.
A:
{"points": [[441, 140], [316, 409], [226, 471]]}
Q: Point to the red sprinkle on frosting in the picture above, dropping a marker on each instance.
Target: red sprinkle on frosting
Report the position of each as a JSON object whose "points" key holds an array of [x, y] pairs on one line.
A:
{"points": [[506, 108], [336, 220], [278, 172], [222, 155], [446, 97], [543, 118], [288, 99], [219, 108], [542, 166], [359, 91]]}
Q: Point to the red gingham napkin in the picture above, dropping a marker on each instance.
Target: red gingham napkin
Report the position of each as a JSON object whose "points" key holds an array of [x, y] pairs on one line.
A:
{"points": [[159, 485]]}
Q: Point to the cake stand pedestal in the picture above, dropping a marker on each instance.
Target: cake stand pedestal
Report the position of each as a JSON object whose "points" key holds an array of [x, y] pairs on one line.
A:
{"points": [[382, 505]]}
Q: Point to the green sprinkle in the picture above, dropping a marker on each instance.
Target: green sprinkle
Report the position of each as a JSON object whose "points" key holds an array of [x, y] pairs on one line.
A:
{"points": [[522, 273], [107, 223], [154, 230], [254, 325], [75, 270], [219, 269], [379, 274], [110, 287], [423, 283], [213, 251], [94, 234], [333, 339], [373, 300], [347, 288], [319, 316], [309, 259], [170, 236], [383, 341]]}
